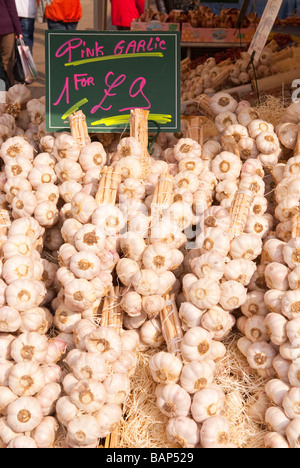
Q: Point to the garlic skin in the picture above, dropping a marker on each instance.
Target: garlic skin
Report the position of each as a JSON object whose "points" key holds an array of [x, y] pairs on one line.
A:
{"points": [[222, 102], [29, 347], [6, 397], [183, 432], [277, 421], [215, 432], [10, 320], [276, 328], [186, 147], [232, 295], [260, 355], [66, 411], [190, 315], [26, 378], [276, 390], [210, 265], [108, 418], [197, 375], [106, 342], [172, 400], [255, 329], [275, 440], [117, 388], [204, 293], [45, 433], [196, 344], [88, 395], [292, 433], [165, 367], [152, 305], [290, 403], [131, 303], [24, 414], [292, 330], [22, 442], [83, 430], [206, 403], [226, 166]]}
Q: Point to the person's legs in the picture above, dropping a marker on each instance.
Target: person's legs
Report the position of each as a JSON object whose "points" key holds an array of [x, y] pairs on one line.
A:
{"points": [[7, 52], [27, 25], [71, 26], [60, 25]]}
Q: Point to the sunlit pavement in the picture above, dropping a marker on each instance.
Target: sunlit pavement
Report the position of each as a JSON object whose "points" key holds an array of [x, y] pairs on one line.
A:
{"points": [[86, 23]]}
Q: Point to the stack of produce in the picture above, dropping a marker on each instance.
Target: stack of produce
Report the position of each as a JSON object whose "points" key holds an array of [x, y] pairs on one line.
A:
{"points": [[274, 333], [201, 17], [109, 252], [214, 75]]}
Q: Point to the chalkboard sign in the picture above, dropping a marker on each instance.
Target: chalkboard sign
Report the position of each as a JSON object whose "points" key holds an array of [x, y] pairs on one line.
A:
{"points": [[108, 73]]}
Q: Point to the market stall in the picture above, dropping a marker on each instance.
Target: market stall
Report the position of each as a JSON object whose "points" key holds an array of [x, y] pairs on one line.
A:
{"points": [[149, 246]]}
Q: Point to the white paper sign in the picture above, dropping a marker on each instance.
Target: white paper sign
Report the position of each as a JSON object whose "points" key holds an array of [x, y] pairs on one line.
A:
{"points": [[265, 27]]}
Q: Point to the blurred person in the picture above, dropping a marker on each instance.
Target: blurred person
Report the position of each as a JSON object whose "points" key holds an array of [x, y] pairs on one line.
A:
{"points": [[10, 28], [123, 12], [27, 10], [63, 14]]}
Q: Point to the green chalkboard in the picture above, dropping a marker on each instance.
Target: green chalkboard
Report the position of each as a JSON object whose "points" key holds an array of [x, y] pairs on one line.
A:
{"points": [[108, 73]]}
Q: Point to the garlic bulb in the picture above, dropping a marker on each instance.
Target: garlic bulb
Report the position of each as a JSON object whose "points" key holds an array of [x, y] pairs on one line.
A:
{"points": [[215, 432], [222, 102], [186, 147], [24, 414], [165, 367], [206, 403], [83, 430], [196, 344], [183, 431], [226, 166], [172, 400]]}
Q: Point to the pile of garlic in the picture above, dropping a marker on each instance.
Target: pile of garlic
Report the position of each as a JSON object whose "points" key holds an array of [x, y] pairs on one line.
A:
{"points": [[145, 266], [224, 278], [277, 326], [60, 369], [30, 378]]}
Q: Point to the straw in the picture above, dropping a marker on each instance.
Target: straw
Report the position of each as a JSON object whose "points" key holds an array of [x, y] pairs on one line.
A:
{"points": [[110, 180], [79, 128], [239, 212], [171, 325]]}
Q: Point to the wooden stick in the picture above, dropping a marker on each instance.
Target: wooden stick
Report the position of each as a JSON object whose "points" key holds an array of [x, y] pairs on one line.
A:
{"points": [[112, 316], [195, 125], [239, 212], [163, 194], [229, 144], [272, 45], [297, 147], [171, 325], [296, 217], [185, 64], [139, 130], [225, 63], [276, 81], [295, 226], [222, 76], [203, 102], [5, 222], [282, 55], [79, 128], [110, 180]]}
